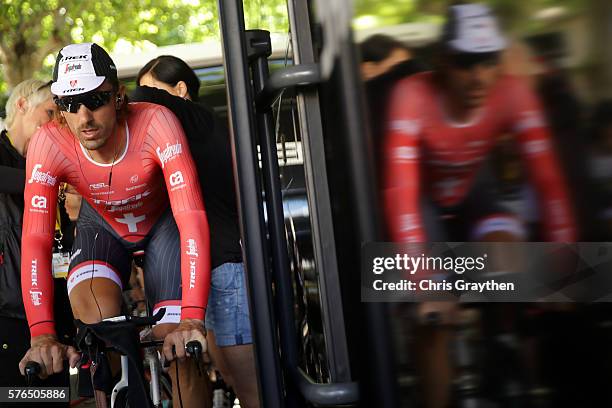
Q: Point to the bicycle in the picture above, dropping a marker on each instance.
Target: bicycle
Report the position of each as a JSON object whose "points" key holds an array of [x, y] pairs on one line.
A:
{"points": [[119, 334]]}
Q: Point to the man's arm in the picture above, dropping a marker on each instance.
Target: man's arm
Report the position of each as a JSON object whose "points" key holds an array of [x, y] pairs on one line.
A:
{"points": [[40, 201], [539, 155], [401, 167], [188, 209]]}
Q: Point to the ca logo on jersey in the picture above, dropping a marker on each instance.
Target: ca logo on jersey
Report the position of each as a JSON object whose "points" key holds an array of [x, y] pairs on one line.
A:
{"points": [[39, 202], [176, 178]]}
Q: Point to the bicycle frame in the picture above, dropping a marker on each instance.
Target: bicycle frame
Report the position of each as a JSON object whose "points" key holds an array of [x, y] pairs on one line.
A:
{"points": [[123, 382]]}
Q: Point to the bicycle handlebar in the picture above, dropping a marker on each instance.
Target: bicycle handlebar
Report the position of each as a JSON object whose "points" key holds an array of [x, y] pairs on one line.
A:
{"points": [[32, 369], [193, 348], [132, 320]]}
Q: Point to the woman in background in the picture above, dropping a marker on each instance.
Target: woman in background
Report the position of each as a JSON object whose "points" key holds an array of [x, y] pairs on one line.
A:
{"points": [[170, 82]]}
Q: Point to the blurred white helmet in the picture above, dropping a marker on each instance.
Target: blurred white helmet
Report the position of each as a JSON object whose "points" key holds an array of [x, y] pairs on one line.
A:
{"points": [[472, 28]]}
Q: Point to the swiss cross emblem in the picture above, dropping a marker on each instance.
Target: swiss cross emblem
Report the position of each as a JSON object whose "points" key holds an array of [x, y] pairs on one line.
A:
{"points": [[73, 83]]}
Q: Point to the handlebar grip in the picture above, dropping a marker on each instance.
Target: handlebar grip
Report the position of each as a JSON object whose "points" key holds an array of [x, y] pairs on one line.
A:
{"points": [[194, 348], [32, 369]]}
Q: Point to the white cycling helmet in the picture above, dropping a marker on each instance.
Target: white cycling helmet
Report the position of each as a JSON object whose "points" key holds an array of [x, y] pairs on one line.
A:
{"points": [[472, 28]]}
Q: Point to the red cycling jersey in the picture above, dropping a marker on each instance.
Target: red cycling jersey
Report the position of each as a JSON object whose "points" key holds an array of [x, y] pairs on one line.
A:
{"points": [[155, 168], [426, 153]]}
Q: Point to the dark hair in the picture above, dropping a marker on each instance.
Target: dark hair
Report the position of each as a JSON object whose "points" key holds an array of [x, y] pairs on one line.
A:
{"points": [[378, 47], [171, 70]]}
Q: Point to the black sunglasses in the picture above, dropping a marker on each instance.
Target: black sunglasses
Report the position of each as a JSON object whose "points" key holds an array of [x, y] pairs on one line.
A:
{"points": [[470, 60], [91, 100]]}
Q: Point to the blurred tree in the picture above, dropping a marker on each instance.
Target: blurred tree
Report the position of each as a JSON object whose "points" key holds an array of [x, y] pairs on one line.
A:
{"points": [[515, 14], [30, 30]]}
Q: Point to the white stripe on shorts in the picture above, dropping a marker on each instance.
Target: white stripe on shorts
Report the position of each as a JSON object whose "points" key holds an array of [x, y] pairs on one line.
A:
{"points": [[173, 311], [499, 223], [84, 271]]}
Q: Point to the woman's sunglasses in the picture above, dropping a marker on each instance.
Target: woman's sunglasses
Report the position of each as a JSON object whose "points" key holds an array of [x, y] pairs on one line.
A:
{"points": [[91, 100]]}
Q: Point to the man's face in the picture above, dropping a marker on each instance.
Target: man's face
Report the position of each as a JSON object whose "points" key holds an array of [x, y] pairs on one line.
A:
{"points": [[36, 117], [470, 77], [94, 127]]}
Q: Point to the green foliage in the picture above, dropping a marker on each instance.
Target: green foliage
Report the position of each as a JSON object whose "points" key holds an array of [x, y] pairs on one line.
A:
{"points": [[31, 30], [266, 14], [515, 14]]}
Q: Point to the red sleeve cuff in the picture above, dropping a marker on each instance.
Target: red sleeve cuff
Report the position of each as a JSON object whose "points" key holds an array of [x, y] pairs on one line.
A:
{"points": [[45, 327], [192, 312]]}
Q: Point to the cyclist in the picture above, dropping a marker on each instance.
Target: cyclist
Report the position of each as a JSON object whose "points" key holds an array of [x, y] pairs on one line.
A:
{"points": [[441, 128], [132, 165], [170, 82]]}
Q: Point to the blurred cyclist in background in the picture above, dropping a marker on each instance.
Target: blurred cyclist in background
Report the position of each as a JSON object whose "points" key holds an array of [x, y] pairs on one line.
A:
{"points": [[440, 130], [438, 186]]}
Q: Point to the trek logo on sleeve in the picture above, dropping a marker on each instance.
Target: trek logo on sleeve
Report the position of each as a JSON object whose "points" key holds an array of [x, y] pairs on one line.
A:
{"points": [[192, 252], [192, 273], [39, 202], [170, 152], [40, 177], [35, 294]]}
